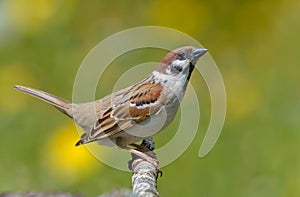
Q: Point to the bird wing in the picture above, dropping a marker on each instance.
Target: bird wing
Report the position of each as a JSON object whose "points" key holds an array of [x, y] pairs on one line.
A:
{"points": [[129, 107]]}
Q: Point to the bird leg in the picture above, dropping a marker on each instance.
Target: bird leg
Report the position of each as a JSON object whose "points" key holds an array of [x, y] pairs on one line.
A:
{"points": [[142, 151], [138, 152], [143, 156], [140, 147]]}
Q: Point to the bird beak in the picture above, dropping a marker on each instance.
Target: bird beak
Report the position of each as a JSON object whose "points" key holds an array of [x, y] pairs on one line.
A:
{"points": [[196, 54]]}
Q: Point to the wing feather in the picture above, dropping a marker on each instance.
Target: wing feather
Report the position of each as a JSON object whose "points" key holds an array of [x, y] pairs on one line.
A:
{"points": [[142, 101]]}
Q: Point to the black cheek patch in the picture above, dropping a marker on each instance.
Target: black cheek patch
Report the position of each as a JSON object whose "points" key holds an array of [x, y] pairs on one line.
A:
{"points": [[176, 69]]}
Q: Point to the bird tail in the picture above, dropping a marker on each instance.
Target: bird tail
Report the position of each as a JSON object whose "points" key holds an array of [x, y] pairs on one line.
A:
{"points": [[61, 104]]}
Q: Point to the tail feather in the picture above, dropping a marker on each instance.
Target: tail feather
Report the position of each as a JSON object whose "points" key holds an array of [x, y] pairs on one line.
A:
{"points": [[59, 103], [80, 142]]}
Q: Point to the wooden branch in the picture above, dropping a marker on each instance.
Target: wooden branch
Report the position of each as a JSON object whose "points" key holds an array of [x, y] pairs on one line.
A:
{"points": [[144, 173]]}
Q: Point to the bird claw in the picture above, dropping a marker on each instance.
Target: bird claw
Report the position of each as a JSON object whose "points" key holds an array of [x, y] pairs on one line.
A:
{"points": [[154, 162], [159, 172]]}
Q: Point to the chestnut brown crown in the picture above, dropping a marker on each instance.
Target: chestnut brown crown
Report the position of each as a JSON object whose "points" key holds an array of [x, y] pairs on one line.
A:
{"points": [[186, 54]]}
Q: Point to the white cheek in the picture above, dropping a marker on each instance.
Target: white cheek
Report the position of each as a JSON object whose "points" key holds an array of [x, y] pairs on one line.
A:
{"points": [[168, 71], [183, 63], [179, 62]]}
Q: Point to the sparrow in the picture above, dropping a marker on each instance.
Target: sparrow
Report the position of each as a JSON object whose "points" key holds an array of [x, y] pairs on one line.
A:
{"points": [[134, 113]]}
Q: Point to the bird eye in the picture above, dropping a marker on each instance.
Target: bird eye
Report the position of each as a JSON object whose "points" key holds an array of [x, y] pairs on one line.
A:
{"points": [[180, 56]]}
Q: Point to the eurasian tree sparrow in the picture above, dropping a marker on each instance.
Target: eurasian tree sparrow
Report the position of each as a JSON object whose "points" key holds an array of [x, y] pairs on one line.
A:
{"points": [[131, 114]]}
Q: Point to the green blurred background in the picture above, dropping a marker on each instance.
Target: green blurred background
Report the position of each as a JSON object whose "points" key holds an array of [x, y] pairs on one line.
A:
{"points": [[256, 45]]}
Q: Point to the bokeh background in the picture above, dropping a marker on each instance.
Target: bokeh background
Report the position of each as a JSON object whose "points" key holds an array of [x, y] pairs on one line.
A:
{"points": [[256, 45]]}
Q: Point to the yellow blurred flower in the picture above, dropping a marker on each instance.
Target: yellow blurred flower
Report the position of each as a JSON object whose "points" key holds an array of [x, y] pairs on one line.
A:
{"points": [[64, 160]]}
